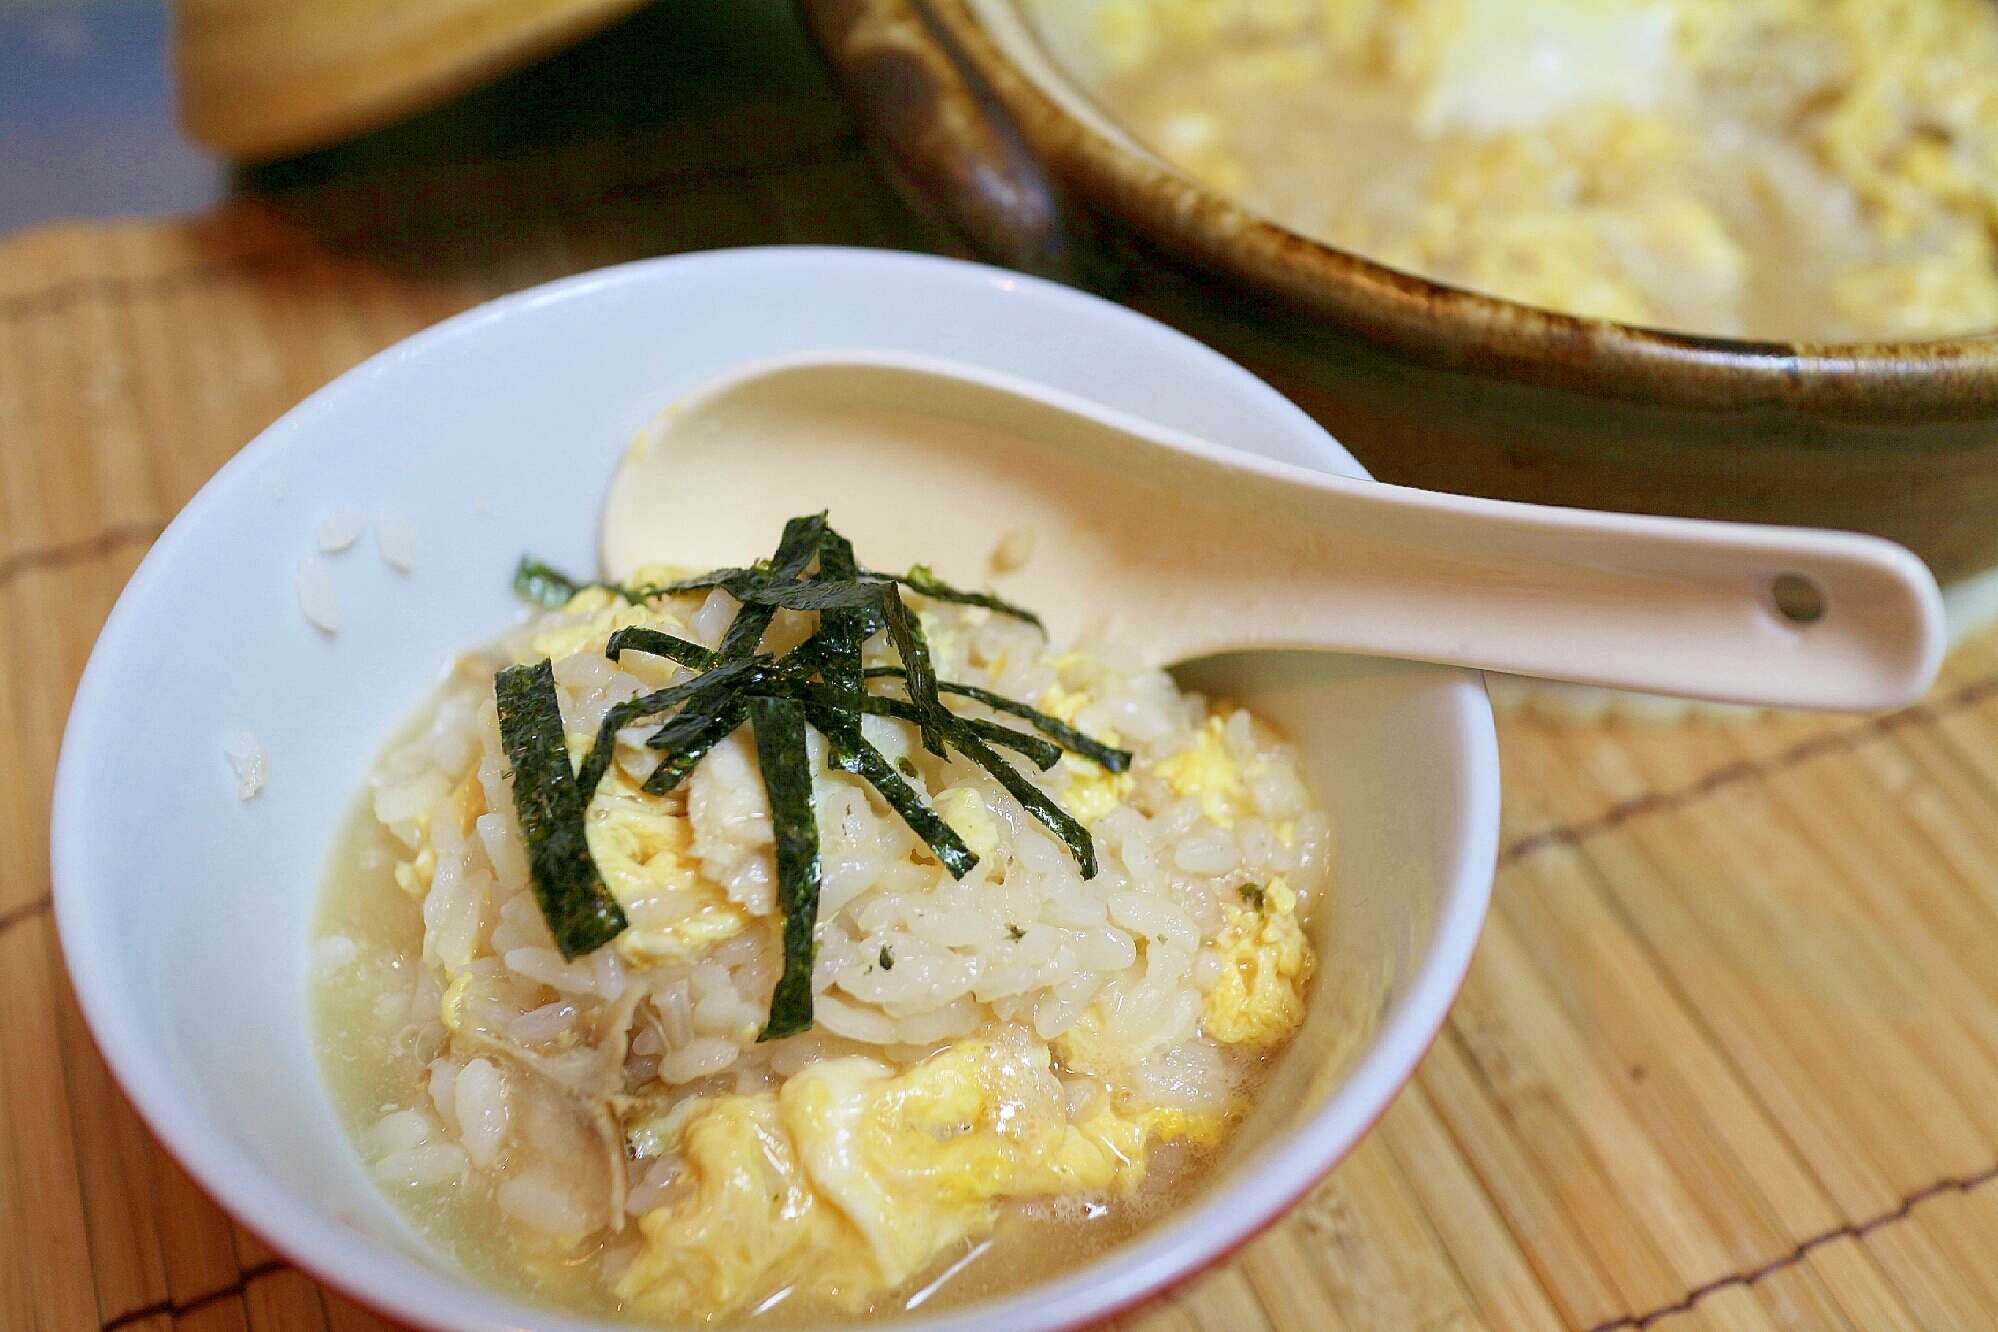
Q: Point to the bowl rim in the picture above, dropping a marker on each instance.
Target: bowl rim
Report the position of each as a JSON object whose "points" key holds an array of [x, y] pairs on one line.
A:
{"points": [[1454, 328], [401, 1286]]}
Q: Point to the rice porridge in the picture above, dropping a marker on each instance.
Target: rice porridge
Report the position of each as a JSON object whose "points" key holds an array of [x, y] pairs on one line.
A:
{"points": [[697, 953], [1819, 170]]}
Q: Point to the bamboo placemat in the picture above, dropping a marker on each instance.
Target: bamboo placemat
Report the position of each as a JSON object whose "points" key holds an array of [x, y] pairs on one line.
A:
{"points": [[1727, 1058]]}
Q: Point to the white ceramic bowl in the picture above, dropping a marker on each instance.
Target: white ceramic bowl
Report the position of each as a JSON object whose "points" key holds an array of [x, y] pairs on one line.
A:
{"points": [[184, 912]]}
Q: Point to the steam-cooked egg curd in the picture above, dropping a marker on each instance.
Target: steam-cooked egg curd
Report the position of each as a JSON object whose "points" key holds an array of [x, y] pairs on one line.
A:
{"points": [[994, 1060], [1821, 170]]}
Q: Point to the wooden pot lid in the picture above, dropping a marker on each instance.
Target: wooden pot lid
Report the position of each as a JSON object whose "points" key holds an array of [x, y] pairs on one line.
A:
{"points": [[261, 79]]}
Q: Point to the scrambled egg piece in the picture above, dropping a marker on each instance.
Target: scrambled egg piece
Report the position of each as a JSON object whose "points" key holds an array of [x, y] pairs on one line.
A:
{"points": [[1127, 1133], [1207, 772], [917, 1160], [746, 1220], [642, 849], [1092, 791], [851, 1179], [963, 808], [1063, 704], [1267, 963]]}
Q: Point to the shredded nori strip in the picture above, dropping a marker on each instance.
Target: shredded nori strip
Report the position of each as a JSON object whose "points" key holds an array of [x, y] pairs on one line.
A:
{"points": [[849, 751], [713, 578], [652, 641], [842, 630], [820, 683], [798, 545], [1105, 756], [702, 727], [579, 909], [621, 715], [795, 551], [811, 595], [1036, 801], [918, 675], [745, 632], [920, 580], [779, 725], [1041, 753], [728, 674], [542, 585], [550, 587]]}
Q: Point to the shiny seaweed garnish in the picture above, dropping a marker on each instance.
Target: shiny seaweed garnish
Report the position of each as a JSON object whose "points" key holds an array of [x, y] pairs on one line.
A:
{"points": [[779, 726], [658, 644], [921, 580], [579, 909], [546, 586], [821, 685], [1108, 757]]}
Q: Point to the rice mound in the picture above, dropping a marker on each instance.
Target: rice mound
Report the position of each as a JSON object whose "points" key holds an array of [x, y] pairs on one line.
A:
{"points": [[1114, 1013]]}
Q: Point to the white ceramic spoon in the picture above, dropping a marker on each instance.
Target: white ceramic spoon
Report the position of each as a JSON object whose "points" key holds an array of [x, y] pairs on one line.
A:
{"points": [[1189, 549]]}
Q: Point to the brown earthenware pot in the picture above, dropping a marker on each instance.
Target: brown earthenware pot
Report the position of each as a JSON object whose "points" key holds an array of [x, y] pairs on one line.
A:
{"points": [[1428, 385]]}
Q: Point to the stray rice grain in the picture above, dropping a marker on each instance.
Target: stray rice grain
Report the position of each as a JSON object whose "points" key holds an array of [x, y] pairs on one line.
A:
{"points": [[246, 755], [341, 529], [317, 600], [396, 535]]}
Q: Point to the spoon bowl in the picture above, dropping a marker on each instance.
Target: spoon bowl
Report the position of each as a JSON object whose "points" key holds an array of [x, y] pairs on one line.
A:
{"points": [[1097, 519]]}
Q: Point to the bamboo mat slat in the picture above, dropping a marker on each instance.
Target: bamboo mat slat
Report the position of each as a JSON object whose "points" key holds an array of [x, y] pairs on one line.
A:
{"points": [[1727, 1057]]}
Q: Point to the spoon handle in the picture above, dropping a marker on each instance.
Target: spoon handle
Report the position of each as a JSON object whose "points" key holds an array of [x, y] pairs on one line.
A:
{"points": [[1192, 549], [1780, 616]]}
